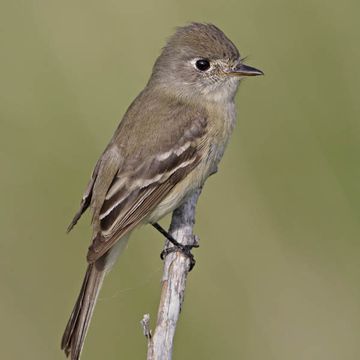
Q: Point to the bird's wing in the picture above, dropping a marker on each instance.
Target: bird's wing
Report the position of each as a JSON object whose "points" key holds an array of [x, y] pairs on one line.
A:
{"points": [[108, 164], [139, 186]]}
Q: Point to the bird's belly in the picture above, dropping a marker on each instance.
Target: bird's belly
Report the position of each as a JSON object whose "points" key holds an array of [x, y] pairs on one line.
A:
{"points": [[191, 182], [214, 150], [177, 195]]}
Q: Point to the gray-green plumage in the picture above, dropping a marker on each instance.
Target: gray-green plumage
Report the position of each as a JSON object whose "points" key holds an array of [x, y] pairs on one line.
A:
{"points": [[169, 140]]}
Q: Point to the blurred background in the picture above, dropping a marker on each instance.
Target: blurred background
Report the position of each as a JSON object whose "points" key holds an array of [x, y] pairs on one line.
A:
{"points": [[277, 273]]}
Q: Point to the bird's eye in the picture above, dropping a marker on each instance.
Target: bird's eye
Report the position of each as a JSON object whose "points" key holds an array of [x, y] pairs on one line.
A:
{"points": [[202, 64]]}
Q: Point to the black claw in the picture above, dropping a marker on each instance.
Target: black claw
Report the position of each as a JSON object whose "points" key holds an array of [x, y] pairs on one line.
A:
{"points": [[184, 249]]}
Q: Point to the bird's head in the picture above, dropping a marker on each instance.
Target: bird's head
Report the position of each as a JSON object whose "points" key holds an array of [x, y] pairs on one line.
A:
{"points": [[199, 60]]}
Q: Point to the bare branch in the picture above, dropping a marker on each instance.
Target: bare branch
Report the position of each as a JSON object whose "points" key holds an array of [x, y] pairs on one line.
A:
{"points": [[145, 323], [176, 268]]}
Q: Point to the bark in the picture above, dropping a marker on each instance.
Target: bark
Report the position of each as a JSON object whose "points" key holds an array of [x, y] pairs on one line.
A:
{"points": [[176, 269]]}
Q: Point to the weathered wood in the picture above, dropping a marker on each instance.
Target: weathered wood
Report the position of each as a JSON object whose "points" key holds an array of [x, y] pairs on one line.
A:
{"points": [[176, 268]]}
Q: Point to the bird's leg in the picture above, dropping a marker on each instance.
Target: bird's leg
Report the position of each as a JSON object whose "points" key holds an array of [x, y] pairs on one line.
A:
{"points": [[185, 249]]}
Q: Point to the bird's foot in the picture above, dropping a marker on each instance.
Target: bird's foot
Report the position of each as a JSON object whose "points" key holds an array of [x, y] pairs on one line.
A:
{"points": [[177, 247], [184, 249]]}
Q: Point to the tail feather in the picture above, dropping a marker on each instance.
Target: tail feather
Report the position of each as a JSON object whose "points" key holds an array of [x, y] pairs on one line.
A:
{"points": [[74, 336], [75, 332]]}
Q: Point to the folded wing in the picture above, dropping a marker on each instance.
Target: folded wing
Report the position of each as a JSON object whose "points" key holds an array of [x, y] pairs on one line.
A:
{"points": [[135, 193]]}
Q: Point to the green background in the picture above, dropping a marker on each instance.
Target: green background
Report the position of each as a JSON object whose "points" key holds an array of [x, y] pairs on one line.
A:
{"points": [[277, 275]]}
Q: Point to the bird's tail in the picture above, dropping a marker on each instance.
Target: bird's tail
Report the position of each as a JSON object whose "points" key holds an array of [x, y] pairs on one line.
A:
{"points": [[73, 339], [74, 335]]}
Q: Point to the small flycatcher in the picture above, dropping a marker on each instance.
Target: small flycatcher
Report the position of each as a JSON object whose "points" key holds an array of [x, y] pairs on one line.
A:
{"points": [[171, 137]]}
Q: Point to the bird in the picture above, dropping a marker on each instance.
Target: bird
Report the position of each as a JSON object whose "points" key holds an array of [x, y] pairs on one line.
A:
{"points": [[171, 137]]}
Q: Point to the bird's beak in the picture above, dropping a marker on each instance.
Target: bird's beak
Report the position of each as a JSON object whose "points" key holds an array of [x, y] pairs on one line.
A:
{"points": [[244, 70]]}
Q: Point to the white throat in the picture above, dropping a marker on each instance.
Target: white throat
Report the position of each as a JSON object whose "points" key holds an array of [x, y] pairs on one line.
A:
{"points": [[223, 93]]}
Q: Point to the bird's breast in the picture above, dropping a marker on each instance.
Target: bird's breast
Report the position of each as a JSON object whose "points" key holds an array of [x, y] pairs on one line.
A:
{"points": [[221, 124]]}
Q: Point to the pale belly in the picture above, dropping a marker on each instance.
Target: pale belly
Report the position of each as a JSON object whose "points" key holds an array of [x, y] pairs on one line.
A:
{"points": [[193, 181]]}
